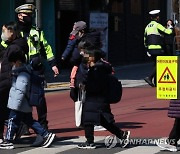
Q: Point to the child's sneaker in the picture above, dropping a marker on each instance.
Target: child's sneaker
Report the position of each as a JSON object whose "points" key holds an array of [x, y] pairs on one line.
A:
{"points": [[6, 145], [1, 140], [48, 139], [86, 145], [99, 128], [167, 146], [125, 139]]}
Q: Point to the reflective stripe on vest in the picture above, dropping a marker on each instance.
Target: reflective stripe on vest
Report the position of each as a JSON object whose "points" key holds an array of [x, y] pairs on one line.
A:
{"points": [[33, 41], [151, 28], [4, 44]]}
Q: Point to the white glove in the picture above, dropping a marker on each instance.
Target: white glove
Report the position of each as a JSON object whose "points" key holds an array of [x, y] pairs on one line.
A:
{"points": [[149, 55]]}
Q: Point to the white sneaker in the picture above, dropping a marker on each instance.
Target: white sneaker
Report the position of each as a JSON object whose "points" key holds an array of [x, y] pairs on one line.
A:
{"points": [[166, 146], [1, 140], [99, 128]]}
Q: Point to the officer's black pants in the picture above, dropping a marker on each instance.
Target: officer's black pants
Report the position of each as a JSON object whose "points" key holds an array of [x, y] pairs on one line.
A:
{"points": [[42, 113], [153, 72], [111, 127]]}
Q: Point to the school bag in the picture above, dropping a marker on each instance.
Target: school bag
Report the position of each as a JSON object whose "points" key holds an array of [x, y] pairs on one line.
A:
{"points": [[114, 89]]}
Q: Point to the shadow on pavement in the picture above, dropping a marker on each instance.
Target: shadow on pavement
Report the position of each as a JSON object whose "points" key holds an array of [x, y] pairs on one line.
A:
{"points": [[66, 130], [155, 109], [134, 125]]}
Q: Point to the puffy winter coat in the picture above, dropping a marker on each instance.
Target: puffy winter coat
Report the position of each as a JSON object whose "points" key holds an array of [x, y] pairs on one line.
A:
{"points": [[19, 91], [96, 91], [5, 75], [174, 109]]}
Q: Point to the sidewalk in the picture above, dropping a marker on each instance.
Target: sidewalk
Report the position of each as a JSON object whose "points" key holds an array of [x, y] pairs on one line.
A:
{"points": [[129, 75]]}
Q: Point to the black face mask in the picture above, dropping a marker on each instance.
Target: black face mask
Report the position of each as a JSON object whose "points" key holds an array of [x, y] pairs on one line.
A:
{"points": [[27, 20], [85, 60]]}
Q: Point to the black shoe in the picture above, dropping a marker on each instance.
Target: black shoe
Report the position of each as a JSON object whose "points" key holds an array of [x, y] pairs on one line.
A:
{"points": [[147, 79], [125, 139], [6, 145], [48, 139], [86, 145], [38, 142]]}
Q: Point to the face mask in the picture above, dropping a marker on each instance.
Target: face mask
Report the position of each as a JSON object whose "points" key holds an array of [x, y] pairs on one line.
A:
{"points": [[4, 37], [169, 26], [85, 60], [27, 20]]}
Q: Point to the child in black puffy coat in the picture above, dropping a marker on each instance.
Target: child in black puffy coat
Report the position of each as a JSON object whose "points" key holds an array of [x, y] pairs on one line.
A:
{"points": [[96, 109]]}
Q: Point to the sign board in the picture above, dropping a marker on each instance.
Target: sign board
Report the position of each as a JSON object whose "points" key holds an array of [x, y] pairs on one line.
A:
{"points": [[100, 21], [167, 77]]}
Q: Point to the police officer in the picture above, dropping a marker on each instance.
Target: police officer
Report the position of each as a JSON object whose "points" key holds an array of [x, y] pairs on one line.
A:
{"points": [[37, 43], [153, 41]]}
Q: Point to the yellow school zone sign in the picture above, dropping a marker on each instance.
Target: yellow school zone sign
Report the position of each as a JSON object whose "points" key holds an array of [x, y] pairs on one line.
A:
{"points": [[167, 77]]}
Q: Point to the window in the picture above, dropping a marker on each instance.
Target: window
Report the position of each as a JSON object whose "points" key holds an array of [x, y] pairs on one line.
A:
{"points": [[136, 7], [117, 6], [153, 4]]}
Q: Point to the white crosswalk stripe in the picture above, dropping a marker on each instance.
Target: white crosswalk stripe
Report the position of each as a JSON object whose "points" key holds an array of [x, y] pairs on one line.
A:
{"points": [[141, 150], [67, 146], [60, 146], [133, 83]]}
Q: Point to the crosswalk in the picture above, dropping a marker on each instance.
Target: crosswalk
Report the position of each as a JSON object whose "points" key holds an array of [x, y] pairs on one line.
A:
{"points": [[69, 146], [133, 83]]}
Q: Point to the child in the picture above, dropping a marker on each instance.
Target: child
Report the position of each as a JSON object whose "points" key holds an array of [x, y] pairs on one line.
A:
{"points": [[96, 109], [20, 110], [11, 36]]}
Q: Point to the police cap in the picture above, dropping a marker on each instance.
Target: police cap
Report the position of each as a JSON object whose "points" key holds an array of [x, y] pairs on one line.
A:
{"points": [[25, 8], [154, 12]]}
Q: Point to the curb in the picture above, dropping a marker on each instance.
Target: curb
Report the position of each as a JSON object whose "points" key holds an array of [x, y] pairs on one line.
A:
{"points": [[57, 86]]}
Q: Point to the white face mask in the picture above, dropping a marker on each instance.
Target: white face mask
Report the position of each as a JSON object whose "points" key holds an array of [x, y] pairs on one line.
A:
{"points": [[4, 37]]}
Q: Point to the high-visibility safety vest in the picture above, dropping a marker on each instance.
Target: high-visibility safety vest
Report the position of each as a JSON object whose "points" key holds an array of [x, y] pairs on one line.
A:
{"points": [[4, 44], [34, 39], [152, 35]]}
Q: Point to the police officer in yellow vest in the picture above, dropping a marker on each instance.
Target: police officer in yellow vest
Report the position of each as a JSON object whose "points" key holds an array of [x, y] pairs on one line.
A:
{"points": [[153, 40], [36, 41]]}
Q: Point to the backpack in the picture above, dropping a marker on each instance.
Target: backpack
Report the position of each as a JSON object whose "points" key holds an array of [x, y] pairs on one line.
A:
{"points": [[114, 89], [36, 91]]}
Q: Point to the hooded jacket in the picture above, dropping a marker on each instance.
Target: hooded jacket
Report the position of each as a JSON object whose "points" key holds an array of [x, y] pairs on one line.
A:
{"points": [[96, 104], [6, 67], [20, 88]]}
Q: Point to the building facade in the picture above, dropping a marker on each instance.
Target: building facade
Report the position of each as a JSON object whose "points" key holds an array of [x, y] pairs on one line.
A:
{"points": [[125, 22]]}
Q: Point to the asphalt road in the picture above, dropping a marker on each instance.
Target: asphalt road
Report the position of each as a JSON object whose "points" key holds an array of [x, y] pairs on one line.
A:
{"points": [[139, 111]]}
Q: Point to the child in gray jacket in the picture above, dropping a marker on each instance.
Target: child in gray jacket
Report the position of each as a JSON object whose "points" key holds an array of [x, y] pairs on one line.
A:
{"points": [[20, 110]]}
